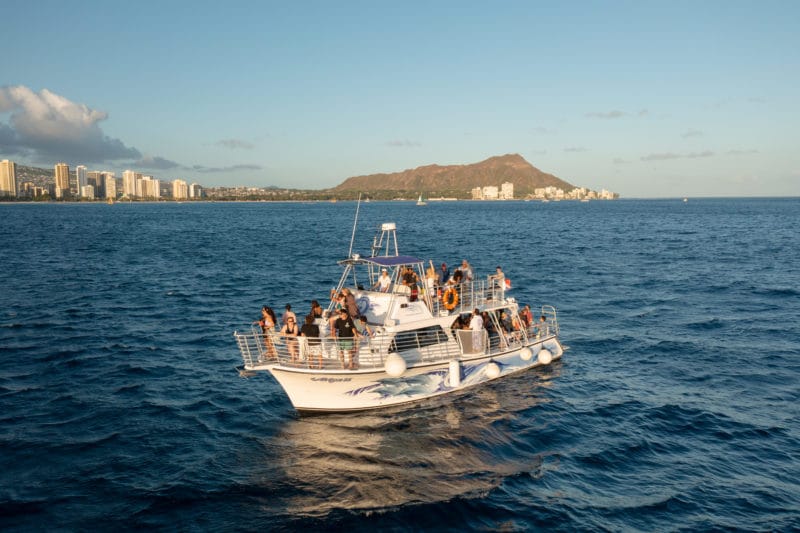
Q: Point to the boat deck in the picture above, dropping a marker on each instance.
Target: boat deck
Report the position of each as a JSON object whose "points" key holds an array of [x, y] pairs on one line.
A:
{"points": [[428, 346]]}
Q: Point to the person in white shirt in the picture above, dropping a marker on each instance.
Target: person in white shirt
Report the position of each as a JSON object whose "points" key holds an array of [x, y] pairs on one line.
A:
{"points": [[384, 281], [476, 325], [466, 270]]}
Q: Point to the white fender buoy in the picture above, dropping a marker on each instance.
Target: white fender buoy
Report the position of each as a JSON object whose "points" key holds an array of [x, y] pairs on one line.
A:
{"points": [[545, 357], [525, 354], [395, 365], [455, 373], [554, 348], [492, 370]]}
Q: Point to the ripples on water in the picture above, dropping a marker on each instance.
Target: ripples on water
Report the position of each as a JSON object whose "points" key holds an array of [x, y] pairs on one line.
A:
{"points": [[675, 408]]}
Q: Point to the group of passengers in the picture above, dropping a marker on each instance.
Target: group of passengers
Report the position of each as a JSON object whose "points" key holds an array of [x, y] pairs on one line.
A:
{"points": [[502, 324], [345, 325], [432, 282]]}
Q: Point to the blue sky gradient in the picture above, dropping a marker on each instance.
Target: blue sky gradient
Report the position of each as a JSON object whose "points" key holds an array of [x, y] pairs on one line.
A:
{"points": [[648, 99]]}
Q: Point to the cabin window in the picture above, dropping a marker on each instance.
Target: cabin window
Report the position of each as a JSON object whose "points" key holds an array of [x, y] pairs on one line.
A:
{"points": [[417, 338]]}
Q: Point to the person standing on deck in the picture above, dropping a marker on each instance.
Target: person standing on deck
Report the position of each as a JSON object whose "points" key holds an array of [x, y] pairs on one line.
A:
{"points": [[288, 314], [476, 325], [345, 332], [444, 274], [290, 332], [466, 270], [311, 333], [350, 303]]}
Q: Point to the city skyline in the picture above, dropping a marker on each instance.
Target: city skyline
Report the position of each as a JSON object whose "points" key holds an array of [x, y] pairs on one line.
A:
{"points": [[649, 100]]}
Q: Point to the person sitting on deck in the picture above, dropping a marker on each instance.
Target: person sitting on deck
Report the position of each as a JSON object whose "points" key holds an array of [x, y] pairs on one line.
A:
{"points": [[541, 327], [516, 327], [527, 316], [409, 279], [384, 282], [498, 278]]}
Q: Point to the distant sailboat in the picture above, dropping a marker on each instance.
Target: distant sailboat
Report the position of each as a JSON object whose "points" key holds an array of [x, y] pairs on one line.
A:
{"points": [[420, 201]]}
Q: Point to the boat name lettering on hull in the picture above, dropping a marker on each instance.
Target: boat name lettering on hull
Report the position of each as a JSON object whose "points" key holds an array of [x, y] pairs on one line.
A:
{"points": [[332, 380]]}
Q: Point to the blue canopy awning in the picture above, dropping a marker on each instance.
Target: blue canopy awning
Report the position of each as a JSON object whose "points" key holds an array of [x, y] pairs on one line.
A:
{"points": [[393, 260], [384, 261]]}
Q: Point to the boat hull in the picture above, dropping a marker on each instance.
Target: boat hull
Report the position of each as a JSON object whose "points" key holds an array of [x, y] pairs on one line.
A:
{"points": [[338, 391]]}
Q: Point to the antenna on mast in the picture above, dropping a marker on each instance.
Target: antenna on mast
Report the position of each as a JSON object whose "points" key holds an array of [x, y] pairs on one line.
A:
{"points": [[355, 223]]}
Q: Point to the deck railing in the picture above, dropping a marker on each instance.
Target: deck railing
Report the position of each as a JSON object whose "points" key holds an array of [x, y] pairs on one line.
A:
{"points": [[468, 296], [428, 345]]}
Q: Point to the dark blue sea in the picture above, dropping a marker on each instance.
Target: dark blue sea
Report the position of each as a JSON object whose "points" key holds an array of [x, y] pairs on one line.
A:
{"points": [[675, 408]]}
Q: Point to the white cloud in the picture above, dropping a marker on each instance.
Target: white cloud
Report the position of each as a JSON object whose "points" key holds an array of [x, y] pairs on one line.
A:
{"points": [[234, 144], [233, 168], [403, 144], [606, 115], [671, 155], [47, 127], [691, 132], [156, 162]]}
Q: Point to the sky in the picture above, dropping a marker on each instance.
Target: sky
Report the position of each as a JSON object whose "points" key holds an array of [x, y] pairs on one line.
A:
{"points": [[644, 98]]}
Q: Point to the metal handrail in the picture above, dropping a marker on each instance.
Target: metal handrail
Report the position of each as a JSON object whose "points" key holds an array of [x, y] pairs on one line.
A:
{"points": [[430, 345]]}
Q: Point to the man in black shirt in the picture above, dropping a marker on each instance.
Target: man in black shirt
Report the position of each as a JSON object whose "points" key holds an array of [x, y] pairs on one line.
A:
{"points": [[310, 334], [345, 332]]}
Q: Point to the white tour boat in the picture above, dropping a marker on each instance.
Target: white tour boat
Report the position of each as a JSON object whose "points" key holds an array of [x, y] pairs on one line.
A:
{"points": [[419, 347]]}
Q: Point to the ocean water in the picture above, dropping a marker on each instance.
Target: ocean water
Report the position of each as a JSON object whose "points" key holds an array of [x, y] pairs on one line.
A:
{"points": [[675, 408]]}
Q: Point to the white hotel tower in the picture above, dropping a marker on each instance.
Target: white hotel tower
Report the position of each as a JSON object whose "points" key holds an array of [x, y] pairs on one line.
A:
{"points": [[80, 175], [8, 178], [129, 183]]}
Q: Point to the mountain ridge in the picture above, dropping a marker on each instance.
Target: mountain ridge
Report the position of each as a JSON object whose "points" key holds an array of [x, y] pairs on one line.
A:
{"points": [[441, 179]]}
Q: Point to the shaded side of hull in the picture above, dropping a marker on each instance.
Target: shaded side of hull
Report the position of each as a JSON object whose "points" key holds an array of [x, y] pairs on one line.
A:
{"points": [[356, 391]]}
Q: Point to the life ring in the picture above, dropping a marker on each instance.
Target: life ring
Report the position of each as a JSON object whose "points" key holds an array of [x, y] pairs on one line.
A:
{"points": [[450, 299]]}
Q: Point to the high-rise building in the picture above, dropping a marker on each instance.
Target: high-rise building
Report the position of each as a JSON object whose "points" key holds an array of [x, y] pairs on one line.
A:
{"points": [[507, 191], [95, 179], [110, 185], [80, 177], [180, 190], [129, 183], [62, 179], [8, 178], [195, 191], [150, 187]]}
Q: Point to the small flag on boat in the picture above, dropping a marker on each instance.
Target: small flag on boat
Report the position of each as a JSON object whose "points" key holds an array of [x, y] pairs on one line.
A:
{"points": [[508, 283]]}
